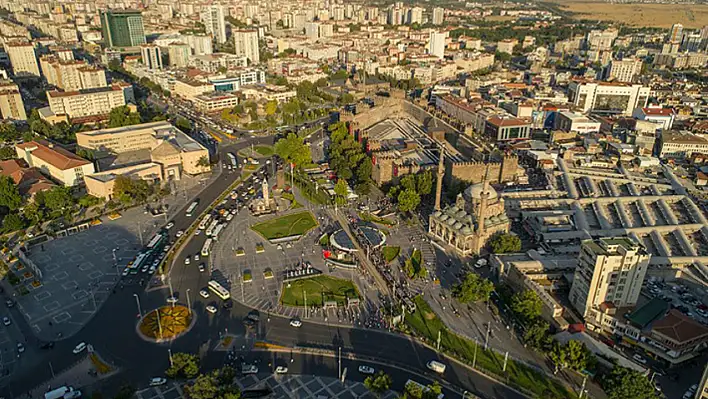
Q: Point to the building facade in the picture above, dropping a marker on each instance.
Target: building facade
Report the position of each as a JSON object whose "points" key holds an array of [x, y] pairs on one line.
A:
{"points": [[22, 58], [89, 102], [436, 44], [178, 54], [122, 28], [610, 98], [213, 18], [625, 70], [675, 144], [246, 44], [151, 56], [56, 162], [609, 271], [11, 104]]}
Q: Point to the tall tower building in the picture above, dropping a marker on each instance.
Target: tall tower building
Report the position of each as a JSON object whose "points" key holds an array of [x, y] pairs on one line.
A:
{"points": [[246, 44], [11, 104], [438, 15], [178, 54], [415, 16], [610, 272], [438, 183], [122, 28], [675, 33], [436, 46], [22, 58], [264, 190], [152, 56], [213, 18]]}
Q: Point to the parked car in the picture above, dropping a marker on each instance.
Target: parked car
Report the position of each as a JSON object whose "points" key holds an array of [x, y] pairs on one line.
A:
{"points": [[296, 323], [281, 370], [211, 309], [204, 293], [170, 225], [639, 359], [79, 348], [366, 370], [6, 321], [157, 381]]}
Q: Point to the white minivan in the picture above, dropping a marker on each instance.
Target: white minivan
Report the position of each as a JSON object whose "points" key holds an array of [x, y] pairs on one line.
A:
{"points": [[436, 366]]}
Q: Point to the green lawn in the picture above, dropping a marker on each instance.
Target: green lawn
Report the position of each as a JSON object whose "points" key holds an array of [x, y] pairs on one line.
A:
{"points": [[286, 226], [318, 289], [390, 253], [370, 217], [264, 150], [425, 323]]}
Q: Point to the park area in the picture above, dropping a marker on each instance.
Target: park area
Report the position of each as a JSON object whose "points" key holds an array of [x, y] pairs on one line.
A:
{"points": [[286, 226], [318, 290], [426, 324], [172, 322]]}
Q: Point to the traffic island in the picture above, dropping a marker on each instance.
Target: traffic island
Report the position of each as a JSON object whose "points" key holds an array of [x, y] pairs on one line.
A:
{"points": [[318, 291], [286, 228], [166, 323]]}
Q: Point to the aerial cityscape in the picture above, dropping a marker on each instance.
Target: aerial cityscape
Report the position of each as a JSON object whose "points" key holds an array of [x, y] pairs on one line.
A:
{"points": [[366, 199]]}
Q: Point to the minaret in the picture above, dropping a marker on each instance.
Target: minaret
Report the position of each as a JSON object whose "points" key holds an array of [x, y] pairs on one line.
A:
{"points": [[266, 194], [482, 210], [441, 174]]}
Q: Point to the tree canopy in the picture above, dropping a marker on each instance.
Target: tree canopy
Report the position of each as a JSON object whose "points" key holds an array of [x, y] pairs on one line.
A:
{"points": [[408, 200], [123, 116], [526, 304], [293, 149], [184, 365], [348, 159], [505, 243], [9, 193], [379, 383], [624, 383], [128, 190], [473, 289], [219, 384]]}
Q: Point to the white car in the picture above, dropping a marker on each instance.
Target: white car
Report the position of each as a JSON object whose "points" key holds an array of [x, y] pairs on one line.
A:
{"points": [[204, 293], [171, 299], [196, 257], [157, 381], [6, 321], [180, 233], [20, 347], [186, 260], [281, 370], [79, 348], [197, 232], [170, 225], [125, 271], [295, 323], [639, 359], [211, 309], [366, 370]]}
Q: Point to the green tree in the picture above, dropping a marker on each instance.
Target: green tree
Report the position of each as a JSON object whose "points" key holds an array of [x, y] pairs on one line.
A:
{"points": [[9, 193], [433, 392], [379, 383], [408, 200], [7, 153], [184, 365], [123, 116], [219, 384], [578, 356], [128, 190], [473, 289], [271, 107], [58, 199], [536, 334], [33, 212], [624, 383], [125, 392], [183, 124], [505, 243], [558, 356], [8, 132], [293, 149], [203, 162], [526, 305], [340, 190], [408, 182], [346, 98], [13, 222], [424, 182]]}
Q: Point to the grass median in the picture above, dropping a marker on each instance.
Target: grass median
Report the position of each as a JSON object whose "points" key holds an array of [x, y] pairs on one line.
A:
{"points": [[318, 290], [426, 324], [286, 226]]}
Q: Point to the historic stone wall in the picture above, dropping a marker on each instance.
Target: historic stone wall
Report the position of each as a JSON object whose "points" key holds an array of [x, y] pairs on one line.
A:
{"points": [[474, 172]]}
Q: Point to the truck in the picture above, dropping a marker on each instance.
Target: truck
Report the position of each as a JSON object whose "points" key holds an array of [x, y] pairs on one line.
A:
{"points": [[436, 366], [65, 392]]}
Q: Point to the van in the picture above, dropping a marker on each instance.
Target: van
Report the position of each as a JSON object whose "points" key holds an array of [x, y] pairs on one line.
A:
{"points": [[436, 366]]}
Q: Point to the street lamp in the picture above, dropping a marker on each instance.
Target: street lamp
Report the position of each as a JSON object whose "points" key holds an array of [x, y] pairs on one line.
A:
{"points": [[137, 300], [189, 305]]}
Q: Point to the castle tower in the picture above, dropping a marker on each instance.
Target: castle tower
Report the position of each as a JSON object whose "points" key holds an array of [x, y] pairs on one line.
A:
{"points": [[441, 174], [266, 194]]}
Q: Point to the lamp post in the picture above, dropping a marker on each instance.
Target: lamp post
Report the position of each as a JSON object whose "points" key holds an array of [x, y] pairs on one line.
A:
{"points": [[189, 305], [137, 300]]}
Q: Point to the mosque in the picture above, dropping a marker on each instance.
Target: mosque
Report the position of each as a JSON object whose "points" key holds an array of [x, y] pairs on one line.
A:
{"points": [[477, 215]]}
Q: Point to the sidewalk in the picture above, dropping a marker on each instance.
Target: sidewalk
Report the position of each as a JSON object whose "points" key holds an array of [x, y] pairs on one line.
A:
{"points": [[81, 375]]}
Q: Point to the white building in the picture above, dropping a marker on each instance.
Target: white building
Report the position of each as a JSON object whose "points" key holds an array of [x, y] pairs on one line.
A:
{"points": [[213, 19], [438, 15], [246, 44], [178, 54], [22, 58], [200, 44], [610, 272], [614, 98], [572, 122], [60, 164], [436, 45], [625, 70], [681, 144], [665, 116], [415, 16], [151, 56]]}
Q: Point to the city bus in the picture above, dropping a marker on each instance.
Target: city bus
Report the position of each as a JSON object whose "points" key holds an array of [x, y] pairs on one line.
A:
{"points": [[217, 230], [205, 248], [220, 291], [155, 241], [203, 224], [232, 159], [138, 262], [211, 227], [191, 208]]}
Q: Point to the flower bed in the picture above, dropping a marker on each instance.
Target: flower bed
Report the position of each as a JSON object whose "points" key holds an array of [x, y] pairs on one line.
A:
{"points": [[174, 321]]}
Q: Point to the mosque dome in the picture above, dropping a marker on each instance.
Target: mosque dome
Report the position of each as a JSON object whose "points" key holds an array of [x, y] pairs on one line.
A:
{"points": [[475, 191]]}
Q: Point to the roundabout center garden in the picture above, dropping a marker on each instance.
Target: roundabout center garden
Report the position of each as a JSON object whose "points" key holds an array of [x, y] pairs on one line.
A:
{"points": [[166, 323], [286, 226]]}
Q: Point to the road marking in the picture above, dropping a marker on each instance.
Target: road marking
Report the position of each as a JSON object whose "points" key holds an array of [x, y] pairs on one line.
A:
{"points": [[70, 285], [61, 317], [60, 276], [51, 306]]}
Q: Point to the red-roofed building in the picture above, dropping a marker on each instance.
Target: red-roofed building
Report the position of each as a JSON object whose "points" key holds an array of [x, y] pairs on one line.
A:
{"points": [[679, 334], [29, 181], [507, 129], [56, 162], [665, 116]]}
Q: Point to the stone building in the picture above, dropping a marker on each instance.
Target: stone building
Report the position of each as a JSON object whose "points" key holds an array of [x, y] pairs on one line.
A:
{"points": [[477, 215]]}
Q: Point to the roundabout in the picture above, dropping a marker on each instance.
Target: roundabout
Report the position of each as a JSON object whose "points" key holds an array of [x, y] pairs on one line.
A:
{"points": [[165, 323]]}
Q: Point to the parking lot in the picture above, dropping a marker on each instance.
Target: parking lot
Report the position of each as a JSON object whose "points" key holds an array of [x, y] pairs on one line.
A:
{"points": [[679, 297]]}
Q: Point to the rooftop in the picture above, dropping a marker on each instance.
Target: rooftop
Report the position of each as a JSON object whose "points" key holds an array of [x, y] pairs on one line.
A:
{"points": [[53, 155], [679, 327], [649, 312]]}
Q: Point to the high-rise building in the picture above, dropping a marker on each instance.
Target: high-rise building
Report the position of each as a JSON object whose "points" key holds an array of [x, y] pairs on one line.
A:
{"points": [[438, 15], [675, 33], [92, 78], [122, 28], [620, 98], [436, 46], [200, 44], [213, 19], [151, 56], [87, 103], [415, 16], [22, 58], [11, 104], [610, 272], [178, 54], [625, 70], [246, 44], [312, 30], [71, 75]]}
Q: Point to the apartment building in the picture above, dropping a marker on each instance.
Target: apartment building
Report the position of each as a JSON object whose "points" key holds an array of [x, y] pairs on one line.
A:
{"points": [[664, 116], [624, 70], [22, 58], [436, 44], [59, 164], [214, 62], [151, 56], [87, 102], [200, 44], [191, 88], [681, 144], [175, 151], [214, 101], [11, 104], [267, 92], [507, 46], [501, 128], [70, 75], [573, 122], [178, 54], [610, 272], [246, 44], [605, 97], [122, 28], [213, 18], [438, 15]]}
